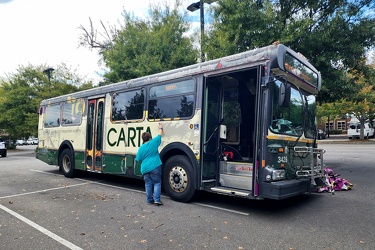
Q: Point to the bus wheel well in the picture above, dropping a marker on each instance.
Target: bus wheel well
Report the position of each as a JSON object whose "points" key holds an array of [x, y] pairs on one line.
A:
{"points": [[174, 149], [63, 146], [171, 153]]}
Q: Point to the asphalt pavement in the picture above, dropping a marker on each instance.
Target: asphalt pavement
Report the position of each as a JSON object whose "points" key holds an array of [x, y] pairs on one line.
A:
{"points": [[41, 209], [343, 138]]}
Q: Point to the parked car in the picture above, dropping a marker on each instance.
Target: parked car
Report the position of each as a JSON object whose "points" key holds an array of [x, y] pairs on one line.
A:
{"points": [[20, 142], [30, 141], [3, 148], [354, 130], [321, 134]]}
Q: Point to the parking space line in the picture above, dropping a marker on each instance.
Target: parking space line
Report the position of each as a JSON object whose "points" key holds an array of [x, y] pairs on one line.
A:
{"points": [[95, 182], [222, 209], [41, 229], [42, 191], [142, 192]]}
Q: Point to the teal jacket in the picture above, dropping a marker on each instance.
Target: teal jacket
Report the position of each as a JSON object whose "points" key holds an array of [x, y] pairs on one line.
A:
{"points": [[148, 155]]}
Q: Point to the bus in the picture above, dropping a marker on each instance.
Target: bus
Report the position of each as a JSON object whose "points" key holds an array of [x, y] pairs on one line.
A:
{"points": [[242, 125]]}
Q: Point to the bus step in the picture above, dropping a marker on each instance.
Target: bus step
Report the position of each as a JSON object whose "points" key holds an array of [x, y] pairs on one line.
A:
{"points": [[231, 191], [210, 180]]}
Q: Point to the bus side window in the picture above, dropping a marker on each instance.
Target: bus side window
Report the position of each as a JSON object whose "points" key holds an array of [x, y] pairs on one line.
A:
{"points": [[128, 105], [52, 116], [172, 100]]}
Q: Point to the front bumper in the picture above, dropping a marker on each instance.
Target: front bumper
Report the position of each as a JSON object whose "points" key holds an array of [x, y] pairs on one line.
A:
{"points": [[279, 190]]}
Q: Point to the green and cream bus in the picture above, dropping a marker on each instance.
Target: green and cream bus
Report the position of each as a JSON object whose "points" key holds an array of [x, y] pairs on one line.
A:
{"points": [[242, 125]]}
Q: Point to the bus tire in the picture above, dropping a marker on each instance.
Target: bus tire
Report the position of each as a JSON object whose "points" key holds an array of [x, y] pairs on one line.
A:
{"points": [[178, 179], [67, 163]]}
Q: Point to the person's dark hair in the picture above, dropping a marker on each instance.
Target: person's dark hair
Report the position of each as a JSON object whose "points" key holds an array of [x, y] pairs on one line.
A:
{"points": [[146, 136]]}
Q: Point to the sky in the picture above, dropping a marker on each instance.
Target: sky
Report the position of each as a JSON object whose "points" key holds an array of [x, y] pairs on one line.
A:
{"points": [[41, 32]]}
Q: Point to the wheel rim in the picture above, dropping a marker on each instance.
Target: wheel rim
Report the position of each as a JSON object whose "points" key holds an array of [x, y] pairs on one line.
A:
{"points": [[66, 164], [178, 179]]}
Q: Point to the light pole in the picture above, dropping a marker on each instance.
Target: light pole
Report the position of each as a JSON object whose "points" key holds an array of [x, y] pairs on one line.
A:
{"points": [[48, 73], [199, 6]]}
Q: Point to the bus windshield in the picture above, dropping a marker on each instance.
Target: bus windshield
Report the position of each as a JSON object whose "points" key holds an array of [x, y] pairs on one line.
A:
{"points": [[287, 119], [310, 114]]}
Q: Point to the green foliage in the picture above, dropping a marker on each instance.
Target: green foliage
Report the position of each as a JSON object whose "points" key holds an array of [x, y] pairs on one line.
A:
{"points": [[239, 26], [146, 46], [22, 92], [333, 35], [361, 101], [335, 132]]}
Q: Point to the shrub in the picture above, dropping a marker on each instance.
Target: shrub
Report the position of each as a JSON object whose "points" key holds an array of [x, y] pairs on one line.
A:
{"points": [[335, 132]]}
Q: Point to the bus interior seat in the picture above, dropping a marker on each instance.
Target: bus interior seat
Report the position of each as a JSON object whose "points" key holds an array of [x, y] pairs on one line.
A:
{"points": [[233, 135]]}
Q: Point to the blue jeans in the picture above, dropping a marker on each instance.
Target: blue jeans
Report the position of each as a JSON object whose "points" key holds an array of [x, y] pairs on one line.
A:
{"points": [[153, 185]]}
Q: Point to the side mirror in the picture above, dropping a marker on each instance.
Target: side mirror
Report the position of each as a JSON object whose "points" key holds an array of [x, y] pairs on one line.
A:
{"points": [[223, 132], [284, 95]]}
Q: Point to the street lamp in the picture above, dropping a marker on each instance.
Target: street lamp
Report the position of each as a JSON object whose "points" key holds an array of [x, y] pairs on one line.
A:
{"points": [[48, 73], [199, 6]]}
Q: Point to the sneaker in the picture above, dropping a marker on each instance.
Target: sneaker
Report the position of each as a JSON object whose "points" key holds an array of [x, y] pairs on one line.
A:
{"points": [[158, 203], [151, 203]]}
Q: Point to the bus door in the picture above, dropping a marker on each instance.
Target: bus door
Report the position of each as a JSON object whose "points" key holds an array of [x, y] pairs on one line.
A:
{"points": [[228, 159], [94, 136]]}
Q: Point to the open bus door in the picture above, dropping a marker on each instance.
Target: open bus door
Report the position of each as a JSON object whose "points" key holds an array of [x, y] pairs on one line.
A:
{"points": [[228, 144], [94, 143]]}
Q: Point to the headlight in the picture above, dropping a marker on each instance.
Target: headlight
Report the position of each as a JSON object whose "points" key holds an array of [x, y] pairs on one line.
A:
{"points": [[278, 175]]}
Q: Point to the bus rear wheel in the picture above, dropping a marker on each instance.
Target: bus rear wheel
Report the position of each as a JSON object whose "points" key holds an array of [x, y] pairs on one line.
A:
{"points": [[67, 163], [178, 179]]}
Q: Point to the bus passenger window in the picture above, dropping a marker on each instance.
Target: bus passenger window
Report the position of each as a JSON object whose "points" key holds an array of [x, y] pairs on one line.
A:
{"points": [[172, 100], [72, 113], [128, 105], [52, 116]]}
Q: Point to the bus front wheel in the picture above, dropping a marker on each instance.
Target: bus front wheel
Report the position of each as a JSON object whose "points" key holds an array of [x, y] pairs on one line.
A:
{"points": [[178, 179], [66, 163]]}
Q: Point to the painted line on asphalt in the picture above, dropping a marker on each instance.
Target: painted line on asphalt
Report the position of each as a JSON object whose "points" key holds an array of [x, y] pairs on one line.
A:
{"points": [[93, 182], [142, 192], [122, 188], [41, 229], [42, 191], [222, 209]]}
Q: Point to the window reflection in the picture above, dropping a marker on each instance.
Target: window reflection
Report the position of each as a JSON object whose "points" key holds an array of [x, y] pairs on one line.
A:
{"points": [[172, 100], [128, 105], [310, 131], [287, 120], [72, 113], [52, 116]]}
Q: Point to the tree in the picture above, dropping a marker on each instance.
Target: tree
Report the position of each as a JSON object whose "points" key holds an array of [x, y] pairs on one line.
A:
{"points": [[333, 35], [328, 111], [361, 104], [239, 26], [143, 47], [22, 92]]}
